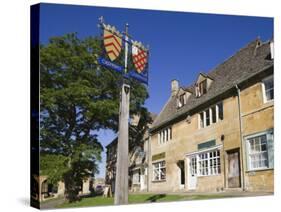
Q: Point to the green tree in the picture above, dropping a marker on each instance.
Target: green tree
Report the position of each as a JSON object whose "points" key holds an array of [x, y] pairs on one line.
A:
{"points": [[77, 98]]}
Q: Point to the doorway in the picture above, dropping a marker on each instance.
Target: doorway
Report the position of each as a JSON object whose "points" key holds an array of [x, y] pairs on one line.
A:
{"points": [[234, 177], [180, 164], [192, 172]]}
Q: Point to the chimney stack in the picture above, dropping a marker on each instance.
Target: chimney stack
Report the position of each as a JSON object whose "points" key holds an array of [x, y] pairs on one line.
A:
{"points": [[174, 87], [272, 50]]}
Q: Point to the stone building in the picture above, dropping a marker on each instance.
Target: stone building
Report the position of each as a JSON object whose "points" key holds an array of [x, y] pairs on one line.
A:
{"points": [[217, 134], [49, 191], [138, 162]]}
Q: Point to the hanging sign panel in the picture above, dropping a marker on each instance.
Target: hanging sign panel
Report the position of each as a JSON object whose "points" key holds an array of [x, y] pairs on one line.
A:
{"points": [[113, 42]]}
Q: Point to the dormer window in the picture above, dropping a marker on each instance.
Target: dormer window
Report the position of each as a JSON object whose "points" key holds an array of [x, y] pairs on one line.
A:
{"points": [[182, 100], [182, 97], [202, 85]]}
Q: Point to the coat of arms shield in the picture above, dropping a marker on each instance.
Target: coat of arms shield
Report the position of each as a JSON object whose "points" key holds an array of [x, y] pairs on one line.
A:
{"points": [[112, 44], [139, 58]]}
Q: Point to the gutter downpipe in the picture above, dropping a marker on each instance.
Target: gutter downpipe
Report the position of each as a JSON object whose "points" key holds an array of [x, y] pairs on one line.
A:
{"points": [[224, 169], [241, 138]]}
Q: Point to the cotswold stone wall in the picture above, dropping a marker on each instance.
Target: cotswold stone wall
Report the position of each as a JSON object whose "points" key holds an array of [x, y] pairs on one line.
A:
{"points": [[257, 116]]}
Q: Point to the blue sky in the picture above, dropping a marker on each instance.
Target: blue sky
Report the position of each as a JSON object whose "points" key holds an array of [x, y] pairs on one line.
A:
{"points": [[181, 44]]}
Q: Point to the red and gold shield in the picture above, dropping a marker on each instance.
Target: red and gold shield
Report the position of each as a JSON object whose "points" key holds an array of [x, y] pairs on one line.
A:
{"points": [[139, 58], [112, 44]]}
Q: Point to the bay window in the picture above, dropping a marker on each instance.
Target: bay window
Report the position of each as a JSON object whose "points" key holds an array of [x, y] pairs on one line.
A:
{"points": [[209, 163]]}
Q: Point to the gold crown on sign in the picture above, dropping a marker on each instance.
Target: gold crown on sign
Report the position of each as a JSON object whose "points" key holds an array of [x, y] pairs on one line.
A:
{"points": [[112, 29], [139, 45]]}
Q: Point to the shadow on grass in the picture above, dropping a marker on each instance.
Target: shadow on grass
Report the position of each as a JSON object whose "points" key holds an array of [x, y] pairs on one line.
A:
{"points": [[156, 197]]}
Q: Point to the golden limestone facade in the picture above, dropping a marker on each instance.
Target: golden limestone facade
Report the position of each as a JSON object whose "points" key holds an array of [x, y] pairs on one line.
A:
{"points": [[209, 139]]}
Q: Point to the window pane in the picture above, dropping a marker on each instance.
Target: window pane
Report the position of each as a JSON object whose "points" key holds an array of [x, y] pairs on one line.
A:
{"points": [[258, 155], [220, 108], [207, 117], [204, 86], [214, 115], [170, 133], [163, 173], [201, 120], [269, 88]]}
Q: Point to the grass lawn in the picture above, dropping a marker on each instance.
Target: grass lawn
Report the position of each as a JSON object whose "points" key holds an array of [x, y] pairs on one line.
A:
{"points": [[137, 198]]}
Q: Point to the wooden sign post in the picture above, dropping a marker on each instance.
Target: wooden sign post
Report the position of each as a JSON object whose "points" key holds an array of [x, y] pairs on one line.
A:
{"points": [[122, 166], [112, 42]]}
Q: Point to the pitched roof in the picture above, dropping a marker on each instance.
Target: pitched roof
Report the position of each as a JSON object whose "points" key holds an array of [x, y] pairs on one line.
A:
{"points": [[244, 64]]}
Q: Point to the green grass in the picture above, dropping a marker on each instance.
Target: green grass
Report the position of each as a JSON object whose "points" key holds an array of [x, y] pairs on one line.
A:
{"points": [[139, 198], [133, 198]]}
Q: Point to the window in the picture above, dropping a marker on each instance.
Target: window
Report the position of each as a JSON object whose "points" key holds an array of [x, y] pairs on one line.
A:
{"points": [[209, 163], [170, 128], [159, 171], [220, 110], [193, 166], [260, 151], [203, 164], [214, 114], [165, 135], [203, 87], [268, 88], [207, 112], [182, 100], [211, 115], [201, 120]]}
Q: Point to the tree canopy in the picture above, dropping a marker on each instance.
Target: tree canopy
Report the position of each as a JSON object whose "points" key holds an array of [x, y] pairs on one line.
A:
{"points": [[77, 98]]}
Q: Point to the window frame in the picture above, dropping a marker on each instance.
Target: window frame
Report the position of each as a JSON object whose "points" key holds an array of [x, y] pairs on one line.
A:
{"points": [[204, 160], [202, 89], [181, 100], [164, 135], [265, 100], [159, 168], [207, 161], [203, 124], [247, 145]]}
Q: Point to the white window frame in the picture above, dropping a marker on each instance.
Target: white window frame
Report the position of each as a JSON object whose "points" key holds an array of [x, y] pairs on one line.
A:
{"points": [[265, 100], [211, 171], [164, 135], [247, 144], [157, 166], [210, 116]]}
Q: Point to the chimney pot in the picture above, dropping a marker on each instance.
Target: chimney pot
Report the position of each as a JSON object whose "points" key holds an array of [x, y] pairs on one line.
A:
{"points": [[174, 87]]}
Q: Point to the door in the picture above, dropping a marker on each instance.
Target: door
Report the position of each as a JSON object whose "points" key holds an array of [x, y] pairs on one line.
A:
{"points": [[234, 180], [192, 172]]}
